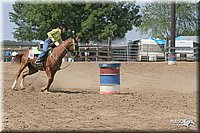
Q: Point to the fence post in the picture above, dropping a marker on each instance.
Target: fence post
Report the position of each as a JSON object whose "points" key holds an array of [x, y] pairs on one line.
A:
{"points": [[97, 53], [109, 49], [127, 53], [147, 53], [166, 48]]}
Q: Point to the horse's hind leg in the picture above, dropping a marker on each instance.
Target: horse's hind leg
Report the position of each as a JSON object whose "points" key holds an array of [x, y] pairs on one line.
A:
{"points": [[30, 71], [23, 65]]}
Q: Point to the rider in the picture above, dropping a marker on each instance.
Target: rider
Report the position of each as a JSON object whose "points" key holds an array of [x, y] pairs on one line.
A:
{"points": [[53, 36]]}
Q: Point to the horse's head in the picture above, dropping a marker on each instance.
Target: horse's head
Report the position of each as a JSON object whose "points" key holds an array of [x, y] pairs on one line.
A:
{"points": [[75, 47], [72, 45]]}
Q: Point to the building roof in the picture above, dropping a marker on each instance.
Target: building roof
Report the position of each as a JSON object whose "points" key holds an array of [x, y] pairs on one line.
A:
{"points": [[186, 38], [191, 38]]}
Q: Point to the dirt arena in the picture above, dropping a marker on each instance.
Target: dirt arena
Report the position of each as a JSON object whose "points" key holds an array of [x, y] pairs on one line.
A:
{"points": [[153, 97]]}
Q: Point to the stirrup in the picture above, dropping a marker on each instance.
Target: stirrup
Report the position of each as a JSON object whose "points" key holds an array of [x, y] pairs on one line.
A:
{"points": [[38, 65], [37, 62]]}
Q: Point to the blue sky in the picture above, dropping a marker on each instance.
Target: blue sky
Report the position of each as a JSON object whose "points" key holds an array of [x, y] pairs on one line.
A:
{"points": [[8, 27]]}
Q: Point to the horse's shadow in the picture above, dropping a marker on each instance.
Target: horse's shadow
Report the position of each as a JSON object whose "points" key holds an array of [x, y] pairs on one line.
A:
{"points": [[71, 92]]}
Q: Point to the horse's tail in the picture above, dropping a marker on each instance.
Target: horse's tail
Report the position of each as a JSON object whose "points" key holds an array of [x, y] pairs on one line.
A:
{"points": [[18, 58]]}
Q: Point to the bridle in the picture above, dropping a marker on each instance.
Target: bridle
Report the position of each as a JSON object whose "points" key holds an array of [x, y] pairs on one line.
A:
{"points": [[75, 52], [75, 49]]}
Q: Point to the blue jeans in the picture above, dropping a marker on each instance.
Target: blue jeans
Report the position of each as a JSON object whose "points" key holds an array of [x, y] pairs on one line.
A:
{"points": [[45, 48]]}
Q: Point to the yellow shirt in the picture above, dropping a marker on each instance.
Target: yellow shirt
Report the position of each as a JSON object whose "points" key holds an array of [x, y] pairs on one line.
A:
{"points": [[55, 35]]}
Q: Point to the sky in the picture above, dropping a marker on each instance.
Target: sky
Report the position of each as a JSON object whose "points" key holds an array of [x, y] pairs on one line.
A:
{"points": [[8, 27]]}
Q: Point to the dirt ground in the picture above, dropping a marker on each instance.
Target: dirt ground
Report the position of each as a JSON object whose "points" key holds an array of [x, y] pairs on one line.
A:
{"points": [[154, 96]]}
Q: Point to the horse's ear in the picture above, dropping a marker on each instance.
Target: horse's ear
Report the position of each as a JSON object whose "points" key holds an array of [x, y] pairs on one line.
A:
{"points": [[76, 39]]}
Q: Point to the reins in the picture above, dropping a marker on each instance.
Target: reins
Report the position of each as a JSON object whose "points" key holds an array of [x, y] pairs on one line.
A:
{"points": [[72, 57]]}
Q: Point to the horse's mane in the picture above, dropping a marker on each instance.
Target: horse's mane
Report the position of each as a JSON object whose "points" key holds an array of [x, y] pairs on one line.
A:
{"points": [[65, 41]]}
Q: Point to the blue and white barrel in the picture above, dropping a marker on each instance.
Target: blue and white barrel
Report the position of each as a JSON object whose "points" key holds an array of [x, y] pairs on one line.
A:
{"points": [[109, 78], [171, 58]]}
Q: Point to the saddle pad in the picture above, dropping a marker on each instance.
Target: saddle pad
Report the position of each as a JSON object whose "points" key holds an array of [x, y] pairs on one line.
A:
{"points": [[35, 50], [32, 52]]}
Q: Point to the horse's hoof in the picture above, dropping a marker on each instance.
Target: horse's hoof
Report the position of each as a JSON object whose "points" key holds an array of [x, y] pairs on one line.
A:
{"points": [[22, 87], [43, 89], [14, 89]]}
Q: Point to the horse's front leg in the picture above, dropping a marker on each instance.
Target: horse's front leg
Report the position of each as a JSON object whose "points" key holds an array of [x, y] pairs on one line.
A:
{"points": [[50, 75]]}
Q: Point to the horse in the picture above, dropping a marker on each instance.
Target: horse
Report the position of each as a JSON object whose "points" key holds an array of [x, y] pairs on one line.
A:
{"points": [[52, 63]]}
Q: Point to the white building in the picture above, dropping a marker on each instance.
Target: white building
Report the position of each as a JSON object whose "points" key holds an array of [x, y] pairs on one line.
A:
{"points": [[149, 50], [152, 49], [186, 47]]}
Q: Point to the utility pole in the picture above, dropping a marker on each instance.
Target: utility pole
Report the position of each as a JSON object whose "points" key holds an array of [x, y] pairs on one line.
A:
{"points": [[172, 54], [173, 25]]}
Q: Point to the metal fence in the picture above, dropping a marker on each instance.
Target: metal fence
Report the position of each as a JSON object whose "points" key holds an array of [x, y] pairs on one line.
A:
{"points": [[95, 53], [126, 53], [152, 53]]}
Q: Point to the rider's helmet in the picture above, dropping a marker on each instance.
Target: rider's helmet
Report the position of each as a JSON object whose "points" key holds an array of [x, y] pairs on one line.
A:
{"points": [[62, 25]]}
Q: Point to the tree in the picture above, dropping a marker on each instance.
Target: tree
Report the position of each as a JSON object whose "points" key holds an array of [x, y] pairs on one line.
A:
{"points": [[156, 19], [91, 21]]}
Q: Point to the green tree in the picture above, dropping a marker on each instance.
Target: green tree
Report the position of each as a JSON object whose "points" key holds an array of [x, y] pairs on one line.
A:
{"points": [[91, 21], [156, 19]]}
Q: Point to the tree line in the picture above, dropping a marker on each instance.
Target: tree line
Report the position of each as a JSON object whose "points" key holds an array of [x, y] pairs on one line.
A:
{"points": [[98, 21]]}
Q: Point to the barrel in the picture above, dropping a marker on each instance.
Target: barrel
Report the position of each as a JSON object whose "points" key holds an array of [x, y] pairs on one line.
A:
{"points": [[109, 78], [171, 58]]}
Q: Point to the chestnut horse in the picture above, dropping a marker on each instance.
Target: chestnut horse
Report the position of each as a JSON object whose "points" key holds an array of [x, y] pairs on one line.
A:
{"points": [[52, 63]]}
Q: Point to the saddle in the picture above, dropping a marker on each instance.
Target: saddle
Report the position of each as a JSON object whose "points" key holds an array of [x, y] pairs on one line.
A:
{"points": [[35, 52]]}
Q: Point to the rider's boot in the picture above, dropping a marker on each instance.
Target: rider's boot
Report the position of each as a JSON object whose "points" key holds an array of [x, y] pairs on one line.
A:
{"points": [[38, 64]]}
